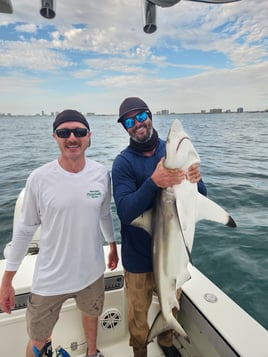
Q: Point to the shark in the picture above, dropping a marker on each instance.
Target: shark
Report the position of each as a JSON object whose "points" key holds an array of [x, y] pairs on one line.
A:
{"points": [[171, 223]]}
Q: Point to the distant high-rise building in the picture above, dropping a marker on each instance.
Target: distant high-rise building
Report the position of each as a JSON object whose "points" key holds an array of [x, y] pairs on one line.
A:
{"points": [[240, 110], [215, 110], [165, 112]]}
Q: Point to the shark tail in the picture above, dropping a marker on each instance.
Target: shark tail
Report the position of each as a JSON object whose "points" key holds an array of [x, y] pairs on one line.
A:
{"points": [[160, 325]]}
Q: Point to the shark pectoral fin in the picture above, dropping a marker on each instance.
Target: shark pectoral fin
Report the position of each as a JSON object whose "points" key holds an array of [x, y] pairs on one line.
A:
{"points": [[144, 221], [231, 223], [210, 210]]}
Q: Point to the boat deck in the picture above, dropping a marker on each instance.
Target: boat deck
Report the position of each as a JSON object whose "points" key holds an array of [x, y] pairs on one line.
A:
{"points": [[216, 326]]}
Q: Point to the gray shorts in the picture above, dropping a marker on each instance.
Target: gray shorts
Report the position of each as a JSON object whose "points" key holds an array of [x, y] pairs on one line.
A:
{"points": [[43, 311]]}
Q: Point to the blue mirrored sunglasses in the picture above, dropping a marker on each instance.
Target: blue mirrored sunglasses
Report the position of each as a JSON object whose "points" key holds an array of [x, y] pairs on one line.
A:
{"points": [[65, 133], [130, 122]]}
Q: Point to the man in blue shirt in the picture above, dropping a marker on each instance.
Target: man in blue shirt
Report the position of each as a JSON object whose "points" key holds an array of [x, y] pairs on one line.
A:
{"points": [[138, 174]]}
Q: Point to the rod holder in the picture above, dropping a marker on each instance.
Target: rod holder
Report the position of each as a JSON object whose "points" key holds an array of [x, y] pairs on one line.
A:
{"points": [[149, 16], [48, 9]]}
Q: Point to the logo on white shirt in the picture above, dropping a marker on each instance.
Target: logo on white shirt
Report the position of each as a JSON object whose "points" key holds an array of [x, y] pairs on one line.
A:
{"points": [[93, 194]]}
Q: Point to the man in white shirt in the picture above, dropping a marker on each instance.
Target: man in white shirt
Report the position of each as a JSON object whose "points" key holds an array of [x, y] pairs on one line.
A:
{"points": [[70, 199]]}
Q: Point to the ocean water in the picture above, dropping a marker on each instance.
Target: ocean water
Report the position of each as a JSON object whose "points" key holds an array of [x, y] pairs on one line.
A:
{"points": [[234, 165]]}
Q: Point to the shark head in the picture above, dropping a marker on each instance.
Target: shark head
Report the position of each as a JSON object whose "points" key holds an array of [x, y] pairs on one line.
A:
{"points": [[180, 152]]}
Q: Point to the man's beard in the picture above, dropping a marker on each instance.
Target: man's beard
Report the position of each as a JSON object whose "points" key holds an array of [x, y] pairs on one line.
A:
{"points": [[146, 139], [146, 145]]}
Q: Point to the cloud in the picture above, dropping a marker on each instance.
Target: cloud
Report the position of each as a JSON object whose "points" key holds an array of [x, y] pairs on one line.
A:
{"points": [[202, 55], [33, 55], [26, 28]]}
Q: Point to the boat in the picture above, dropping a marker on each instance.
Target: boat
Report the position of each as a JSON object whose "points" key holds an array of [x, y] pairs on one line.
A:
{"points": [[148, 9], [215, 324]]}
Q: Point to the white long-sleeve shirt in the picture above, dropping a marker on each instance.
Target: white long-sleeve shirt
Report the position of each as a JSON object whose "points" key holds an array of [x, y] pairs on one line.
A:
{"points": [[74, 212]]}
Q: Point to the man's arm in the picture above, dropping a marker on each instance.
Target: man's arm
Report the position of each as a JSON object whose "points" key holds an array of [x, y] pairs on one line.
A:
{"points": [[131, 201]]}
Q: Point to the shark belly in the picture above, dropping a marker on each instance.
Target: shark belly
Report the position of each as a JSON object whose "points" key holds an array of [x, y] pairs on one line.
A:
{"points": [[170, 270]]}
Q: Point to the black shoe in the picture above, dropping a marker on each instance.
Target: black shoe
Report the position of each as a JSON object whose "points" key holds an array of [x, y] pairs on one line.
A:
{"points": [[170, 351]]}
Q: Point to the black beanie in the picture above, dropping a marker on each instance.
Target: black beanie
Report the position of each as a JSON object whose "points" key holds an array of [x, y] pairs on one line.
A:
{"points": [[69, 115], [130, 104]]}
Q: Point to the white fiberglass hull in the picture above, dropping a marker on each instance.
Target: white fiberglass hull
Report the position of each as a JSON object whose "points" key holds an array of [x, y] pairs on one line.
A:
{"points": [[216, 326]]}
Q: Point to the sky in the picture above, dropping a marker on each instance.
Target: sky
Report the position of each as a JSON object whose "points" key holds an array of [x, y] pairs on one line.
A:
{"points": [[94, 54]]}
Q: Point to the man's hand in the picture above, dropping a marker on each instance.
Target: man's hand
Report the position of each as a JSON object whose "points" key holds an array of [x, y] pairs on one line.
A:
{"points": [[193, 174], [7, 292], [113, 257], [7, 298], [164, 177]]}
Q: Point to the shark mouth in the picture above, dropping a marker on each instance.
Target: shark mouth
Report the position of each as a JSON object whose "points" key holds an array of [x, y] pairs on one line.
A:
{"points": [[181, 140]]}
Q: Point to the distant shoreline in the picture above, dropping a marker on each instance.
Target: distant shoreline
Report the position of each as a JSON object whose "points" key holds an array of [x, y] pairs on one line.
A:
{"points": [[3, 115]]}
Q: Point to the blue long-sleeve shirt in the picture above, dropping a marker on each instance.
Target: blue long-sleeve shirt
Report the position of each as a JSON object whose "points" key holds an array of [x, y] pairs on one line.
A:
{"points": [[134, 192]]}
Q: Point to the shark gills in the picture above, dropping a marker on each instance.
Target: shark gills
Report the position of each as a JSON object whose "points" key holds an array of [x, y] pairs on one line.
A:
{"points": [[171, 223]]}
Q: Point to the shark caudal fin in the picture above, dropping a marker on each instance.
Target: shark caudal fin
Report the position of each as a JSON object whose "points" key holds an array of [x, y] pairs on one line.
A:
{"points": [[210, 210], [161, 325]]}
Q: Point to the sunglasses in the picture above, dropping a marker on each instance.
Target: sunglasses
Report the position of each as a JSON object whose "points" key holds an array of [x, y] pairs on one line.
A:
{"points": [[130, 122], [65, 133]]}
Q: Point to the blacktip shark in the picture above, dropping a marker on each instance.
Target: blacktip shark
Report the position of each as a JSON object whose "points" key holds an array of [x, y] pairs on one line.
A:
{"points": [[171, 222]]}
